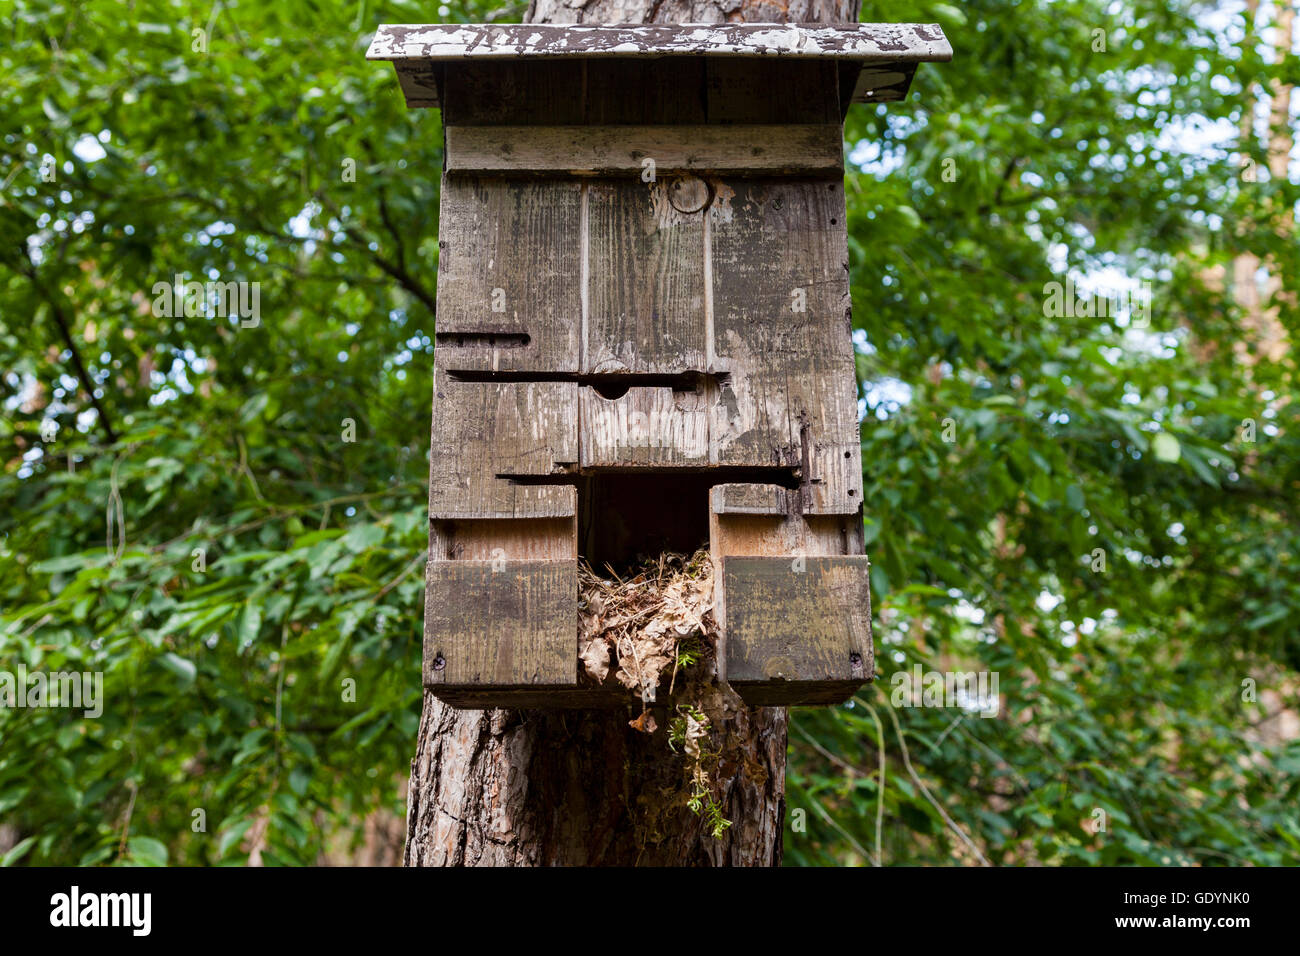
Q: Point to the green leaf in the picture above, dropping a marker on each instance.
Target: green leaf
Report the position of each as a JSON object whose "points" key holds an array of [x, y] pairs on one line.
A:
{"points": [[1196, 461], [1165, 446], [1277, 612], [299, 778], [147, 851], [1074, 498], [254, 407], [363, 537], [182, 668], [879, 581], [352, 616], [250, 624], [70, 562], [18, 851], [231, 837]]}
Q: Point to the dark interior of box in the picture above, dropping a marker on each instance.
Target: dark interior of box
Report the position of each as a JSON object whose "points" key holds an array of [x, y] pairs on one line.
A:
{"points": [[624, 519]]}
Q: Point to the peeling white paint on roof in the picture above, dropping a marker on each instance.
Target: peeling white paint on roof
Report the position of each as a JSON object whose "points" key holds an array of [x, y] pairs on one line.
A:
{"points": [[895, 42]]}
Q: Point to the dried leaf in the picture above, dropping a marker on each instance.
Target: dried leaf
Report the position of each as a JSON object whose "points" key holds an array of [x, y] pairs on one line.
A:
{"points": [[643, 619], [595, 658]]}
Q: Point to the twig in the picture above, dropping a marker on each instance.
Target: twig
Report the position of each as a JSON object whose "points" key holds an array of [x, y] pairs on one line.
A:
{"points": [[411, 566], [65, 331], [907, 762], [816, 805], [126, 819], [243, 466], [114, 510], [880, 793]]}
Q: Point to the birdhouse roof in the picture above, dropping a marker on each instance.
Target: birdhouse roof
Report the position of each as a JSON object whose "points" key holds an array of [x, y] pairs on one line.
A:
{"points": [[883, 54]]}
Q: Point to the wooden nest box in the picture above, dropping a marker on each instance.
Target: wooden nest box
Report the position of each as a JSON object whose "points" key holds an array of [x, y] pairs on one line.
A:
{"points": [[643, 340]]}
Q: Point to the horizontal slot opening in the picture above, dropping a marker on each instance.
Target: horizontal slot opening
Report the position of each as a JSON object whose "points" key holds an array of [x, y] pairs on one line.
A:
{"points": [[482, 340], [608, 384], [710, 475]]}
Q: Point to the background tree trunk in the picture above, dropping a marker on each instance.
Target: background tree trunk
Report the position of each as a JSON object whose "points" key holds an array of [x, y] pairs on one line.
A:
{"points": [[1267, 337], [692, 11], [533, 788]]}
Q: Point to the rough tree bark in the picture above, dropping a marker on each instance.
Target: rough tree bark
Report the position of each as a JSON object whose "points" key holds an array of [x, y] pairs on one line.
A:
{"points": [[532, 788]]}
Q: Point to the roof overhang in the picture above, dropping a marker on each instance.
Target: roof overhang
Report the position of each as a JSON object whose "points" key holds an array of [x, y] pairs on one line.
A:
{"points": [[884, 55]]}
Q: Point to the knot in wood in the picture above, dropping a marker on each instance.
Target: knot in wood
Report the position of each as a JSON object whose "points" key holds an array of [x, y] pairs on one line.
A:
{"points": [[689, 194], [780, 668]]}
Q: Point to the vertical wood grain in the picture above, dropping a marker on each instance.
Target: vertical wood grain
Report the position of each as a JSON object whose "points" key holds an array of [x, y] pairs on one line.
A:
{"points": [[648, 426], [509, 265], [484, 430], [781, 331], [646, 281]]}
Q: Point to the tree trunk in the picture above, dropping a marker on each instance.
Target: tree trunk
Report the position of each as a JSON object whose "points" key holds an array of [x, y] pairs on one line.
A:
{"points": [[534, 788], [1266, 336], [1281, 142], [692, 11]]}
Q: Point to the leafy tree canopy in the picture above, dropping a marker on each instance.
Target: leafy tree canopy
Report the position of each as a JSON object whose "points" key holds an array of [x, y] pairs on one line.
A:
{"points": [[1101, 509]]}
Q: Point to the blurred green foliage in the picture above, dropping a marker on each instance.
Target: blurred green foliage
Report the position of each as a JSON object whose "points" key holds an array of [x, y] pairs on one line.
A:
{"points": [[258, 623]]}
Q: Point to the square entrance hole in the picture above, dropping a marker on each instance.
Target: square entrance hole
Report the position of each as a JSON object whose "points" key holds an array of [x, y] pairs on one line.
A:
{"points": [[624, 519]]}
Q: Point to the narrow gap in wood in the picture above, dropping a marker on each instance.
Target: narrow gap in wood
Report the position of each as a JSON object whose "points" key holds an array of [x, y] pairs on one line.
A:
{"points": [[782, 477], [710, 351], [608, 384], [482, 339]]}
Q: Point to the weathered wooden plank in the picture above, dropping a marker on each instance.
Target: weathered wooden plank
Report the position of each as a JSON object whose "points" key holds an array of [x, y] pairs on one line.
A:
{"points": [[630, 91], [750, 499], [509, 275], [757, 535], [741, 150], [756, 91], [485, 430], [764, 520], [885, 83], [751, 520], [771, 239], [781, 333], [504, 540], [645, 426], [419, 82], [484, 624], [646, 281], [869, 42], [792, 626], [531, 697], [520, 93]]}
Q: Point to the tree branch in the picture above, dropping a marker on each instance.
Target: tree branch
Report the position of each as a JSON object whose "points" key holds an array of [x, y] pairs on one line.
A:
{"points": [[65, 330]]}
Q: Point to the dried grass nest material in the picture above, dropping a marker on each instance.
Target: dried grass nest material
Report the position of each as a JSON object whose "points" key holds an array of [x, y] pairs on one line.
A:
{"points": [[633, 628]]}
